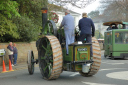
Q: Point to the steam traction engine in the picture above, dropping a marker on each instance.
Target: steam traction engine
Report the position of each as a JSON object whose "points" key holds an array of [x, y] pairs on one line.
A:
{"points": [[52, 56]]}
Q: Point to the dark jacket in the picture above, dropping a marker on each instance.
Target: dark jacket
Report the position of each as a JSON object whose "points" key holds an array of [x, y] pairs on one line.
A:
{"points": [[85, 25], [15, 50], [10, 48]]}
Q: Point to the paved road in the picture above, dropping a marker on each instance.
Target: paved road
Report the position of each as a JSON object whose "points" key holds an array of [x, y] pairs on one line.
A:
{"points": [[112, 72]]}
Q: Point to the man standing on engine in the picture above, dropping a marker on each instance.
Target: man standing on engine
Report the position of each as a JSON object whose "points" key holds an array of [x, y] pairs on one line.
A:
{"points": [[69, 27], [85, 25]]}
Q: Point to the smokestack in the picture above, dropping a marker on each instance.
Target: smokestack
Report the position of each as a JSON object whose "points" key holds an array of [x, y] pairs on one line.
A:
{"points": [[44, 17]]}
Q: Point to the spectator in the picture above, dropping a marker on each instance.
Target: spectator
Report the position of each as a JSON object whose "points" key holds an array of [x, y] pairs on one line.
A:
{"points": [[109, 28], [115, 26], [69, 28], [15, 52], [10, 52], [85, 25]]}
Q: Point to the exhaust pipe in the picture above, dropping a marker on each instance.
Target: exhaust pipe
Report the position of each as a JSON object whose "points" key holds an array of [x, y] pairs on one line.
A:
{"points": [[44, 17]]}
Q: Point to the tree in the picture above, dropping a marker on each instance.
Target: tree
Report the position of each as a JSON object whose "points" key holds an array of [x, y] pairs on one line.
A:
{"points": [[98, 34], [93, 14], [115, 10], [8, 30], [27, 30], [75, 3], [9, 8]]}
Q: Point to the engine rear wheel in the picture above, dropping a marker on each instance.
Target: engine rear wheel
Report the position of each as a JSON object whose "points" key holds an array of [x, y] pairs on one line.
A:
{"points": [[50, 57], [96, 58]]}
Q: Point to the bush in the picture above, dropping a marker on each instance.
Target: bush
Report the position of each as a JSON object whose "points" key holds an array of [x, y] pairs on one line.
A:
{"points": [[8, 30], [27, 30]]}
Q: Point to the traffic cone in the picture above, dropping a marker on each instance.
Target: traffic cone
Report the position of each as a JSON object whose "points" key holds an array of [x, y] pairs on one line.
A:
{"points": [[10, 66], [4, 68]]}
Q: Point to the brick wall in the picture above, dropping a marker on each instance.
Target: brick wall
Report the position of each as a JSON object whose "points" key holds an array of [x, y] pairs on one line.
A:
{"points": [[23, 49]]}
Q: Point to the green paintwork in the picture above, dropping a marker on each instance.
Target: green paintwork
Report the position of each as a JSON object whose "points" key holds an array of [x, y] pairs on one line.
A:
{"points": [[115, 42], [61, 32], [79, 55], [70, 56], [82, 55], [47, 30], [125, 23]]}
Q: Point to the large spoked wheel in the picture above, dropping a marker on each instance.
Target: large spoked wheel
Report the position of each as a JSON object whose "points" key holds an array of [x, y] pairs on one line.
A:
{"points": [[96, 58], [30, 62], [50, 57]]}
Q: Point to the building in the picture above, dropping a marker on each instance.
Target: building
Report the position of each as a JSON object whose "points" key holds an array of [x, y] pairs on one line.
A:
{"points": [[99, 26]]}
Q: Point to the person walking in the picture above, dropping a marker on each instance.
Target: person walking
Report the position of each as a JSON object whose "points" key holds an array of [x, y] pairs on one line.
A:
{"points": [[10, 52], [15, 52], [87, 28], [69, 29]]}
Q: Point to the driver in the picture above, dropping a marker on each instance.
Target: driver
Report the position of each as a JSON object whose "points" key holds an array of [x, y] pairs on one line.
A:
{"points": [[69, 27]]}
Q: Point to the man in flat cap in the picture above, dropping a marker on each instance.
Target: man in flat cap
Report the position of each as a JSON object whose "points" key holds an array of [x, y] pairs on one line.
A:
{"points": [[87, 28], [69, 27]]}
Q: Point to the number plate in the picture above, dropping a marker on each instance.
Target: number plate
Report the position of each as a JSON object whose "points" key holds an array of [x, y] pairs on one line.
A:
{"points": [[82, 49]]}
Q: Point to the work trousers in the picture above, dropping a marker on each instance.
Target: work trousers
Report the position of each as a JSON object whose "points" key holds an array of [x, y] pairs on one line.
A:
{"points": [[88, 40], [70, 37], [15, 58]]}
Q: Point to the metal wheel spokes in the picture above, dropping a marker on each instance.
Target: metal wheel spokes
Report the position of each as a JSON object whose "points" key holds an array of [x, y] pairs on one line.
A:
{"points": [[30, 62], [50, 57], [47, 58]]}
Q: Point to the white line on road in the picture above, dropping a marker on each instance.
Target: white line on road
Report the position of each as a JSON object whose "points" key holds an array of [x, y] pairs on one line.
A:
{"points": [[112, 63], [110, 69], [118, 75], [74, 74], [89, 83]]}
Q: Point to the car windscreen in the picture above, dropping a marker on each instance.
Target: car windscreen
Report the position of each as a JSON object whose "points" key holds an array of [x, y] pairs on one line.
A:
{"points": [[121, 37]]}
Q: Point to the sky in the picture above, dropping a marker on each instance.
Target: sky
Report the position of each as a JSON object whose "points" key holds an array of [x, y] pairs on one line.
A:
{"points": [[92, 6], [88, 8]]}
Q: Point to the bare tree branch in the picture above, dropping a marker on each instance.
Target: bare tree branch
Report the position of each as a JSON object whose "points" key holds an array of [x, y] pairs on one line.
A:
{"points": [[75, 3], [115, 10]]}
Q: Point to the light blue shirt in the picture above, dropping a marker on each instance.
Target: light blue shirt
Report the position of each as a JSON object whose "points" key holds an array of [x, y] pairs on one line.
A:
{"points": [[69, 26], [68, 22]]}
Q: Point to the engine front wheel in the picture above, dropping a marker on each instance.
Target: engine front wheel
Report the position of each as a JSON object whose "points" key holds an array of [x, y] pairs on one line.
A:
{"points": [[30, 62], [50, 57]]}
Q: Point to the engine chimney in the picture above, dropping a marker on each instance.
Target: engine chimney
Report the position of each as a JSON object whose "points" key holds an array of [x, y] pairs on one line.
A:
{"points": [[44, 17]]}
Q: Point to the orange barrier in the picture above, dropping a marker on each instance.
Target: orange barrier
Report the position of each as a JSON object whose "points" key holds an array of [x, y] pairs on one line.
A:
{"points": [[10, 66], [4, 68]]}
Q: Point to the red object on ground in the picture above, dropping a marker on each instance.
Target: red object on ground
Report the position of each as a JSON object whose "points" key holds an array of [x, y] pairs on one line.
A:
{"points": [[10, 66], [4, 68]]}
